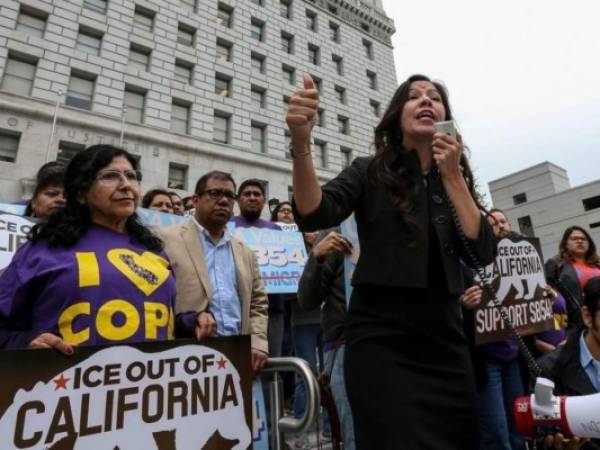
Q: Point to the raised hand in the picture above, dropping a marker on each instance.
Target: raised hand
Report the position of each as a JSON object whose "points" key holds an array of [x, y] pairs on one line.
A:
{"points": [[302, 114]]}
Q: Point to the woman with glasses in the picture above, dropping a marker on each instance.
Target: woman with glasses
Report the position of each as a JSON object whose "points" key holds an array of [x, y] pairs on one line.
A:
{"points": [[91, 273], [577, 261]]}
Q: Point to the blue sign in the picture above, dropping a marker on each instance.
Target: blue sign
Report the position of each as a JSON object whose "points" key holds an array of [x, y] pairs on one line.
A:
{"points": [[281, 257], [9, 208], [159, 219], [260, 434], [349, 231]]}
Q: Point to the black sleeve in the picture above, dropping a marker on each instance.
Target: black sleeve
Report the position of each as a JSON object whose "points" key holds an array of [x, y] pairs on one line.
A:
{"points": [[485, 247], [552, 272], [339, 200]]}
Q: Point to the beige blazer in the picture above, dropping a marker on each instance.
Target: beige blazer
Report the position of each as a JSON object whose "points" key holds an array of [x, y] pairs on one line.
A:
{"points": [[194, 292]]}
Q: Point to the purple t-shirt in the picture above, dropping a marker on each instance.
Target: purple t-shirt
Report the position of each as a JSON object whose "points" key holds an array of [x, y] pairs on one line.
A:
{"points": [[559, 331], [503, 351], [103, 290], [242, 222]]}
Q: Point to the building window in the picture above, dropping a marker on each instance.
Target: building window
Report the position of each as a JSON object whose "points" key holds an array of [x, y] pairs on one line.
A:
{"points": [[375, 108], [372, 77], [180, 117], [223, 51], [143, 18], [9, 145], [525, 225], [191, 4], [289, 74], [222, 85], [320, 122], [313, 54], [89, 41], [332, 9], [288, 142], [339, 64], [346, 156], [257, 2], [258, 138], [520, 198], [177, 176], [285, 8], [139, 58], [311, 20], [224, 15], [80, 91], [185, 35], [100, 6], [183, 71], [591, 203], [343, 124], [18, 75], [258, 62], [257, 29], [365, 27], [318, 82], [257, 95], [221, 128], [340, 92], [67, 150], [595, 225], [334, 32], [134, 101], [319, 154], [31, 21], [368, 47], [287, 42], [290, 193]]}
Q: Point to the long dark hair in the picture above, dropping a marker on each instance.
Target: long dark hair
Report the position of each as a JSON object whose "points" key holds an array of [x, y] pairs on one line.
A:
{"points": [[277, 208], [396, 167], [591, 257], [66, 227]]}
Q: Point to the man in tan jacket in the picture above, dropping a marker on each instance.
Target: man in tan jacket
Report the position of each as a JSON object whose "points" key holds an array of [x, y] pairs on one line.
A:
{"points": [[219, 288]]}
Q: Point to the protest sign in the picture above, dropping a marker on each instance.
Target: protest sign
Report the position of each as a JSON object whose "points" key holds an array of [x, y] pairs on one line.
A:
{"points": [[161, 395], [281, 256], [350, 231], [260, 435], [13, 234], [288, 226], [517, 276]]}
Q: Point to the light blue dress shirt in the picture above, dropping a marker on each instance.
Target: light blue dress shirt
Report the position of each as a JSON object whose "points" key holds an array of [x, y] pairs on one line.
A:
{"points": [[589, 364], [225, 304]]}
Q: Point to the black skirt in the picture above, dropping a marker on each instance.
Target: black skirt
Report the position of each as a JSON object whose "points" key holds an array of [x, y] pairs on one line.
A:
{"points": [[408, 371]]}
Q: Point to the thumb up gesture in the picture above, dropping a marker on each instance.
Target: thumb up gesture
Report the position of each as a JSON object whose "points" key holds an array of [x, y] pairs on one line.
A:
{"points": [[302, 113]]}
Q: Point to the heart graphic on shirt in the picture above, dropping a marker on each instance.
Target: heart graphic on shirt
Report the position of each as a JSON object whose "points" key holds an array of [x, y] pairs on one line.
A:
{"points": [[147, 271]]}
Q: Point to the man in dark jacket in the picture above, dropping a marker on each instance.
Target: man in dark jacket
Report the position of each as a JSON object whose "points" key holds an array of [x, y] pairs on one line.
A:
{"points": [[575, 367]]}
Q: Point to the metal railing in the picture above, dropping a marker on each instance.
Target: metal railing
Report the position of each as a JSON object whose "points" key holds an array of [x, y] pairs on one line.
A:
{"points": [[279, 423]]}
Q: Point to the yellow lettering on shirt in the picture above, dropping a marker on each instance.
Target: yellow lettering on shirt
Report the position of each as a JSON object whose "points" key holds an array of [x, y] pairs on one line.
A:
{"points": [[171, 328], [65, 323], [156, 315], [89, 273], [104, 320], [147, 271]]}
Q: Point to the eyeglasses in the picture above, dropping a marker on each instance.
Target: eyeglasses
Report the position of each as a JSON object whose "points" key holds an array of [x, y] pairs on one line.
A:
{"points": [[114, 177], [578, 238], [218, 194]]}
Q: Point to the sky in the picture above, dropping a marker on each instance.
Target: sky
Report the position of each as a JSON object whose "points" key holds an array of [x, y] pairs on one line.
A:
{"points": [[523, 77]]}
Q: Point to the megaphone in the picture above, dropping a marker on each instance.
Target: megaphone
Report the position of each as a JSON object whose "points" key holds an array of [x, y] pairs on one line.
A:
{"points": [[544, 413]]}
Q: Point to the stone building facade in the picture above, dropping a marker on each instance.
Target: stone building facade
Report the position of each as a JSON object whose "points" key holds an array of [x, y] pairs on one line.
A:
{"points": [[191, 85]]}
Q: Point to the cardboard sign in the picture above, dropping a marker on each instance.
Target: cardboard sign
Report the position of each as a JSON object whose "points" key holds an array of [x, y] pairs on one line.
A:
{"points": [[13, 234], [9, 208], [287, 226], [350, 231], [164, 395], [517, 276], [281, 256]]}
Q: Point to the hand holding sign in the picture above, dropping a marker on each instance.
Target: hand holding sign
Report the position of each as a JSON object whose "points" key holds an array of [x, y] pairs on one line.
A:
{"points": [[49, 340], [302, 113]]}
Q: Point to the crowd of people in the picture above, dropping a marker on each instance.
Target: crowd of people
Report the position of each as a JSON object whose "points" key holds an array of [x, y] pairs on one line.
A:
{"points": [[401, 361]]}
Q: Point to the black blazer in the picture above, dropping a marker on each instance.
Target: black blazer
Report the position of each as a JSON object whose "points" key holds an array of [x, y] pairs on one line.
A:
{"points": [[565, 281], [390, 255]]}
